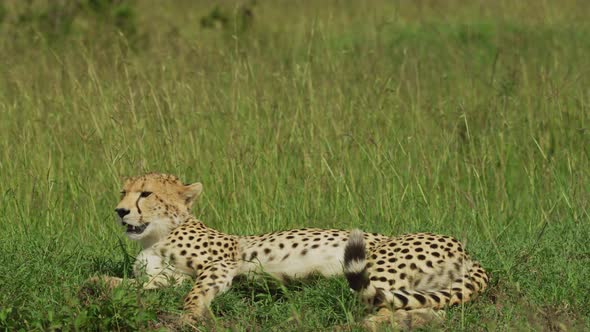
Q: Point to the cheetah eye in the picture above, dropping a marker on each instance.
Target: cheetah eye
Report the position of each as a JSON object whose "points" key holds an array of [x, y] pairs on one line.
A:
{"points": [[123, 193], [145, 194]]}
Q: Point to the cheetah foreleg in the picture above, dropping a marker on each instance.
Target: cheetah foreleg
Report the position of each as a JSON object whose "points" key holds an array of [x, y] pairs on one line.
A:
{"points": [[108, 281], [164, 279], [159, 280], [215, 279]]}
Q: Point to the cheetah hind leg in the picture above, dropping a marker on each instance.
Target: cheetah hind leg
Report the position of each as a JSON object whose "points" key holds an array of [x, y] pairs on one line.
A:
{"points": [[404, 319]]}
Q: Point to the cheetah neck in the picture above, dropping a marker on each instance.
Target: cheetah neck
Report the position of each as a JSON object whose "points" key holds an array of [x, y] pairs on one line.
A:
{"points": [[160, 230]]}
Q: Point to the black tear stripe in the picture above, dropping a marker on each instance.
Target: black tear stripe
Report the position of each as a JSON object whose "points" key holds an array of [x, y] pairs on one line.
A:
{"points": [[137, 205]]}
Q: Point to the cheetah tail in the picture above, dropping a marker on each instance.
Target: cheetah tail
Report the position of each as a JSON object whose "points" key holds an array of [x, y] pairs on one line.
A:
{"points": [[355, 263], [356, 270]]}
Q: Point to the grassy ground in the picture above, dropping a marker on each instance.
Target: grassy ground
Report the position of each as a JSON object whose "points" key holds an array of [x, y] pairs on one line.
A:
{"points": [[394, 116]]}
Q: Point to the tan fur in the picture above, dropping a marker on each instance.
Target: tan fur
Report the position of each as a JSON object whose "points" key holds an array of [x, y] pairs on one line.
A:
{"points": [[410, 278], [155, 210]]}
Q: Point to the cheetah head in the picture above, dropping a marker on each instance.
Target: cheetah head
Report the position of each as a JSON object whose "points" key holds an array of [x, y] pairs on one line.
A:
{"points": [[153, 204]]}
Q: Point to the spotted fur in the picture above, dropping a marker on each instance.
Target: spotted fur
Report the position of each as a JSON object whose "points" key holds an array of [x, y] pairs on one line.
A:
{"points": [[155, 211], [413, 272]]}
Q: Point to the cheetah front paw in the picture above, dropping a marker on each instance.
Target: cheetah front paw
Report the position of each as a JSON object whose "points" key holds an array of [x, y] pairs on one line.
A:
{"points": [[195, 317], [97, 287], [189, 320], [109, 282]]}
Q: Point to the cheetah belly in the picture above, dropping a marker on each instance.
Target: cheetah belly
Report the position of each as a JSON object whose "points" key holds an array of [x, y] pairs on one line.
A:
{"points": [[326, 261]]}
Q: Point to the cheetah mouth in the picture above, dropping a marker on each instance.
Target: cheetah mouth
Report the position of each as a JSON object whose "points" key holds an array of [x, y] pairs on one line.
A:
{"points": [[135, 229]]}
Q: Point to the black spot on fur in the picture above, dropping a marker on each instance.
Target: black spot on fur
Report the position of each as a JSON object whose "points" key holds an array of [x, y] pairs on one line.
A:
{"points": [[379, 297], [420, 299], [401, 298], [253, 255]]}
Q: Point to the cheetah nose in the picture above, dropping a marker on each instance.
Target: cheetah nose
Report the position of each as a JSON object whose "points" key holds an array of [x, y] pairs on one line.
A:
{"points": [[122, 212]]}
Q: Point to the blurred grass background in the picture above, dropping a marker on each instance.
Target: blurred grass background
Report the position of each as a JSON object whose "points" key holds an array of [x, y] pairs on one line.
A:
{"points": [[466, 118]]}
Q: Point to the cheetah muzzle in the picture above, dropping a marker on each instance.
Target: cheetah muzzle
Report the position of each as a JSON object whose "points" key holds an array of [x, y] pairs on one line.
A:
{"points": [[130, 229]]}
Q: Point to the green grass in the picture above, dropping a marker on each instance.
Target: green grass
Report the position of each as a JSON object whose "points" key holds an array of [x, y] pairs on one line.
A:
{"points": [[469, 119]]}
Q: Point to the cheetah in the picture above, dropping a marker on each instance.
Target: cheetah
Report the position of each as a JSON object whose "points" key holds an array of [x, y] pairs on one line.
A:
{"points": [[409, 279], [155, 211]]}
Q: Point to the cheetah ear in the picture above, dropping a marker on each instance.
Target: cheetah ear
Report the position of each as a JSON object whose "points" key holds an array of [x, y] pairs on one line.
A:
{"points": [[191, 192]]}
